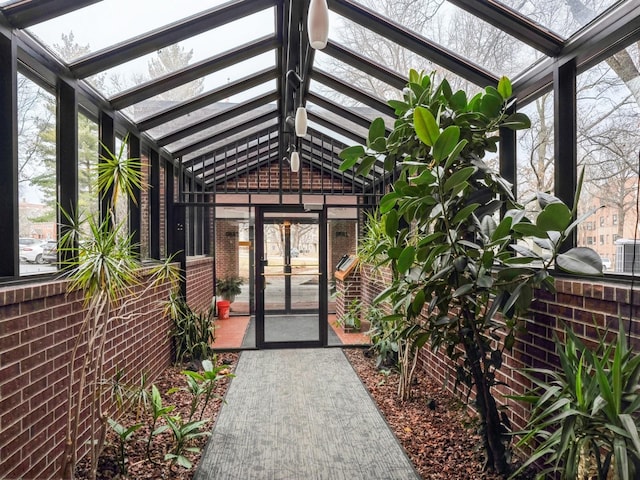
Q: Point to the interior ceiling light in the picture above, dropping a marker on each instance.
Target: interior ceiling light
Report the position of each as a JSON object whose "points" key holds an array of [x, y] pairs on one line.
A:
{"points": [[318, 24], [295, 162], [301, 122]]}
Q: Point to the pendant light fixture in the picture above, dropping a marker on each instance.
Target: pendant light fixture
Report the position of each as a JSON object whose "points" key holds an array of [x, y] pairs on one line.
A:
{"points": [[301, 121], [295, 162], [318, 24]]}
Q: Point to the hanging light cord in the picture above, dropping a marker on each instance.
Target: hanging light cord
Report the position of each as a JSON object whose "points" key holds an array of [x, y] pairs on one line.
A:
{"points": [[633, 259]]}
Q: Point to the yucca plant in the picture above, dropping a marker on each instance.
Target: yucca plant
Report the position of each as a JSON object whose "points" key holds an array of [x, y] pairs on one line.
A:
{"points": [[98, 259], [585, 415]]}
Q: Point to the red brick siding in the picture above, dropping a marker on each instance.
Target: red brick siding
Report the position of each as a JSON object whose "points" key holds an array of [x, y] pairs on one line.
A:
{"points": [[38, 325], [227, 249], [348, 290], [577, 303], [200, 289], [268, 178]]}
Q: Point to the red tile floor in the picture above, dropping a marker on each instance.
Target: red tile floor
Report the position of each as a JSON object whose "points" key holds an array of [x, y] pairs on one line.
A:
{"points": [[230, 332]]}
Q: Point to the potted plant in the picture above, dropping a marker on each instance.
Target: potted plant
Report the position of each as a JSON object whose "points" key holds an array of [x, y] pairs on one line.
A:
{"points": [[229, 287]]}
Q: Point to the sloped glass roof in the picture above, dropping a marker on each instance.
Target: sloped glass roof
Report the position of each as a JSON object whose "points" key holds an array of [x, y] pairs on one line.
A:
{"points": [[454, 29], [170, 68], [560, 16]]}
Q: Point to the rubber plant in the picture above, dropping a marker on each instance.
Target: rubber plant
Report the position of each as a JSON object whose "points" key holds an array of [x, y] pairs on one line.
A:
{"points": [[466, 257], [99, 260]]}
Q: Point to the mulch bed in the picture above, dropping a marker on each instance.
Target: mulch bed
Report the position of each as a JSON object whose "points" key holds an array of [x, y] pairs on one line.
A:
{"points": [[434, 428]]}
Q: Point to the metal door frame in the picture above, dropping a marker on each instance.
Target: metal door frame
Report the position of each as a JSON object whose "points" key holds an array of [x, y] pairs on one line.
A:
{"points": [[260, 279]]}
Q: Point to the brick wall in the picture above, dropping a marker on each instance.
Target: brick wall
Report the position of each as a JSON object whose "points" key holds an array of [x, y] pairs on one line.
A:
{"points": [[268, 179], [226, 248], [38, 325], [200, 289], [348, 290], [577, 303]]}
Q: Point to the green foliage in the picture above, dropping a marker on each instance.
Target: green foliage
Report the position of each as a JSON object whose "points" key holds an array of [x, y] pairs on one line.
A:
{"points": [[124, 434], [456, 260], [183, 434], [585, 414], [352, 318], [192, 332], [384, 333], [229, 287], [157, 411], [201, 385]]}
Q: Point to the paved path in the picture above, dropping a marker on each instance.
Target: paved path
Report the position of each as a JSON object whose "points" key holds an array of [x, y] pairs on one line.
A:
{"points": [[301, 415]]}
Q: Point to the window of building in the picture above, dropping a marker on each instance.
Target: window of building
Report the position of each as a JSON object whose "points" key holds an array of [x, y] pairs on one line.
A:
{"points": [[37, 181]]}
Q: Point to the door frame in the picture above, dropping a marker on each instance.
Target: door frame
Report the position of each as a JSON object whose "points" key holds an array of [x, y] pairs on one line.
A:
{"points": [[260, 279]]}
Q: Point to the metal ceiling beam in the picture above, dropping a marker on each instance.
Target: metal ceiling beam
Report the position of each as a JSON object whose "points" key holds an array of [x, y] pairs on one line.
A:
{"points": [[359, 62], [593, 44], [244, 142], [346, 89], [206, 99], [336, 128], [411, 41], [25, 14], [513, 23], [332, 106], [193, 72], [167, 35], [226, 133], [217, 118]]}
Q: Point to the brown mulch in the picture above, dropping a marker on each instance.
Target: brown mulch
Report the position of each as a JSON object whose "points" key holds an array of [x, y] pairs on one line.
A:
{"points": [[435, 429]]}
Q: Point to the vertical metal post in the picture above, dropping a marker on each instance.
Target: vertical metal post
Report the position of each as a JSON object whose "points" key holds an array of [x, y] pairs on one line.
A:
{"points": [[135, 202], [154, 200], [67, 158], [566, 138], [9, 232], [107, 138], [508, 157]]}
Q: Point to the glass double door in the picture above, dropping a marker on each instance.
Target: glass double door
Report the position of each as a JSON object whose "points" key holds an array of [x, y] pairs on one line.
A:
{"points": [[291, 293]]}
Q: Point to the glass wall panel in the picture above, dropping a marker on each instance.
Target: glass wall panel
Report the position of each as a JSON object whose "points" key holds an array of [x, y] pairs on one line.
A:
{"points": [[88, 154], [37, 184], [535, 150], [608, 139]]}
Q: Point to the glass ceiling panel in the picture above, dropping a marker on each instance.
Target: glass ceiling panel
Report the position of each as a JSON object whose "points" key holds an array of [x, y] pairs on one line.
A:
{"points": [[452, 28], [383, 51], [203, 113], [233, 138], [212, 131], [192, 50], [205, 161], [357, 78], [108, 22], [561, 16], [152, 106], [335, 119], [350, 103]]}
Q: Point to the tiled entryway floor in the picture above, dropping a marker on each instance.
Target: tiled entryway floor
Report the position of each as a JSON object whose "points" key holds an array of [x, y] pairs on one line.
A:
{"points": [[230, 332]]}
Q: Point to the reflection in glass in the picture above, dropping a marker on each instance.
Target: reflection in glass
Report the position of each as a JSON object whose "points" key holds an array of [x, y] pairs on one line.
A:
{"points": [[608, 138], [36, 177]]}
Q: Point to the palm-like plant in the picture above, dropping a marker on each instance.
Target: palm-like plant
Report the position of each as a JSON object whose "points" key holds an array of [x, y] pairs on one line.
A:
{"points": [[585, 416], [98, 259]]}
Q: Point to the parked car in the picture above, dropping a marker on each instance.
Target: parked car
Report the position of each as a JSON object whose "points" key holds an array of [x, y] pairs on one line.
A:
{"points": [[606, 264], [31, 250], [50, 251]]}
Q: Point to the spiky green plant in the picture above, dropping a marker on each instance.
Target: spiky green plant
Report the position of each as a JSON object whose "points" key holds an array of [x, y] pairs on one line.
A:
{"points": [[585, 414], [98, 259]]}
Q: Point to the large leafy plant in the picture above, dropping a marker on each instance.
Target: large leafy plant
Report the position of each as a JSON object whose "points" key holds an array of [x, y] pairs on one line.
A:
{"points": [[585, 416], [465, 257]]}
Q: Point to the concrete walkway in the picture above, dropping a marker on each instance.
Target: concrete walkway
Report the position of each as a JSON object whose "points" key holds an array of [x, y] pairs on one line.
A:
{"points": [[301, 415]]}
